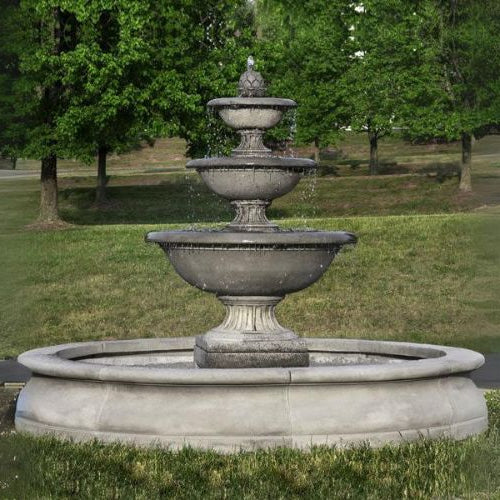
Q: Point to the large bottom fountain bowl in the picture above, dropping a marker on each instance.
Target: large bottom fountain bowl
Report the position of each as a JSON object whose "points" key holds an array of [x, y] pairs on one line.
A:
{"points": [[149, 392], [251, 264]]}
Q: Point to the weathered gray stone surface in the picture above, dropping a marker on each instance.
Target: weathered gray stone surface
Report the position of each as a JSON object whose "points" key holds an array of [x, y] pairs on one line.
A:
{"points": [[250, 337], [258, 354], [250, 183], [420, 391], [245, 264]]}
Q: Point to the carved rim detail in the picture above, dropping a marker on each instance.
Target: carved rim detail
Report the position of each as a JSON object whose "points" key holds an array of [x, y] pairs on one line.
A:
{"points": [[238, 247]]}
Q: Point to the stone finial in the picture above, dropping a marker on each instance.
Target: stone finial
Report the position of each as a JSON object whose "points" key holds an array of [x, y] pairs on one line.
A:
{"points": [[251, 82]]}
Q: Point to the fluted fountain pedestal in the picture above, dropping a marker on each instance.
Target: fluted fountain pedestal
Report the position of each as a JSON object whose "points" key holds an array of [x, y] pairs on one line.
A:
{"points": [[250, 337], [251, 216]]}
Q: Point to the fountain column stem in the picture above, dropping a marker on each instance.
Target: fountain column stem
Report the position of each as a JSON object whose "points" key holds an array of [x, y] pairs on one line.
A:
{"points": [[251, 315], [251, 216], [252, 144]]}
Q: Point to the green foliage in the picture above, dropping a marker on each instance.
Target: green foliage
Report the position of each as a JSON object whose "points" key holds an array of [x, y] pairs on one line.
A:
{"points": [[41, 97], [99, 74], [430, 67], [208, 56], [385, 51], [300, 51], [150, 67], [146, 69], [460, 89], [471, 62], [12, 131], [107, 75]]}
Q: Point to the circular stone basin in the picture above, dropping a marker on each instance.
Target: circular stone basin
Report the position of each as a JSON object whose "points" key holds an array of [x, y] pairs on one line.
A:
{"points": [[149, 392], [242, 113], [251, 264], [250, 178]]}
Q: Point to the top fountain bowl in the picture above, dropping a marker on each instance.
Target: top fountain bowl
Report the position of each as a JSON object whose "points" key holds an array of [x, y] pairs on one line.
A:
{"points": [[242, 113]]}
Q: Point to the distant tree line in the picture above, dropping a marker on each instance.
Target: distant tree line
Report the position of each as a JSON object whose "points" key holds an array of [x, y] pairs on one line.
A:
{"points": [[86, 78]]}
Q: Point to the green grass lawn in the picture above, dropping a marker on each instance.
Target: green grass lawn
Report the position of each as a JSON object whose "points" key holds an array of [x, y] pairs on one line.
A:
{"points": [[428, 274], [421, 278], [183, 198]]}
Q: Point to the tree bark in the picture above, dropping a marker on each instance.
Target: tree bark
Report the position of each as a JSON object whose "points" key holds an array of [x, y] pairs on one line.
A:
{"points": [[48, 177], [373, 153], [101, 176], [48, 192], [465, 170], [316, 150]]}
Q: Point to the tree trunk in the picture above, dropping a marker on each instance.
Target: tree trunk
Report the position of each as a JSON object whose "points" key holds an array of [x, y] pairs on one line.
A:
{"points": [[48, 194], [48, 177], [316, 150], [101, 176], [13, 162], [373, 153], [465, 170]]}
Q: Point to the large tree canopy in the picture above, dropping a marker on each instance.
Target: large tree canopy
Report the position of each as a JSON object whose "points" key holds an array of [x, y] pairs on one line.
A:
{"points": [[108, 74], [206, 56], [46, 32], [82, 78], [145, 69], [428, 67], [98, 76]]}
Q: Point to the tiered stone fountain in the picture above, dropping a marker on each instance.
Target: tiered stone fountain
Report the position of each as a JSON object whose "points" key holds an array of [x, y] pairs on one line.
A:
{"points": [[251, 382], [251, 264]]}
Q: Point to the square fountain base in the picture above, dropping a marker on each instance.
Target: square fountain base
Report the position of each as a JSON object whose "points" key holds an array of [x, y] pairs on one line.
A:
{"points": [[263, 353]]}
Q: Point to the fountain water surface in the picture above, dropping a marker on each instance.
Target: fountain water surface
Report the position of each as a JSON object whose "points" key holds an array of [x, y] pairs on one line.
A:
{"points": [[251, 382]]}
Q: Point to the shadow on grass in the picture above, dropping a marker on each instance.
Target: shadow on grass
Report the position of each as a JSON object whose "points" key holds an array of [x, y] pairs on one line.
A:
{"points": [[441, 171], [187, 201], [167, 202]]}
